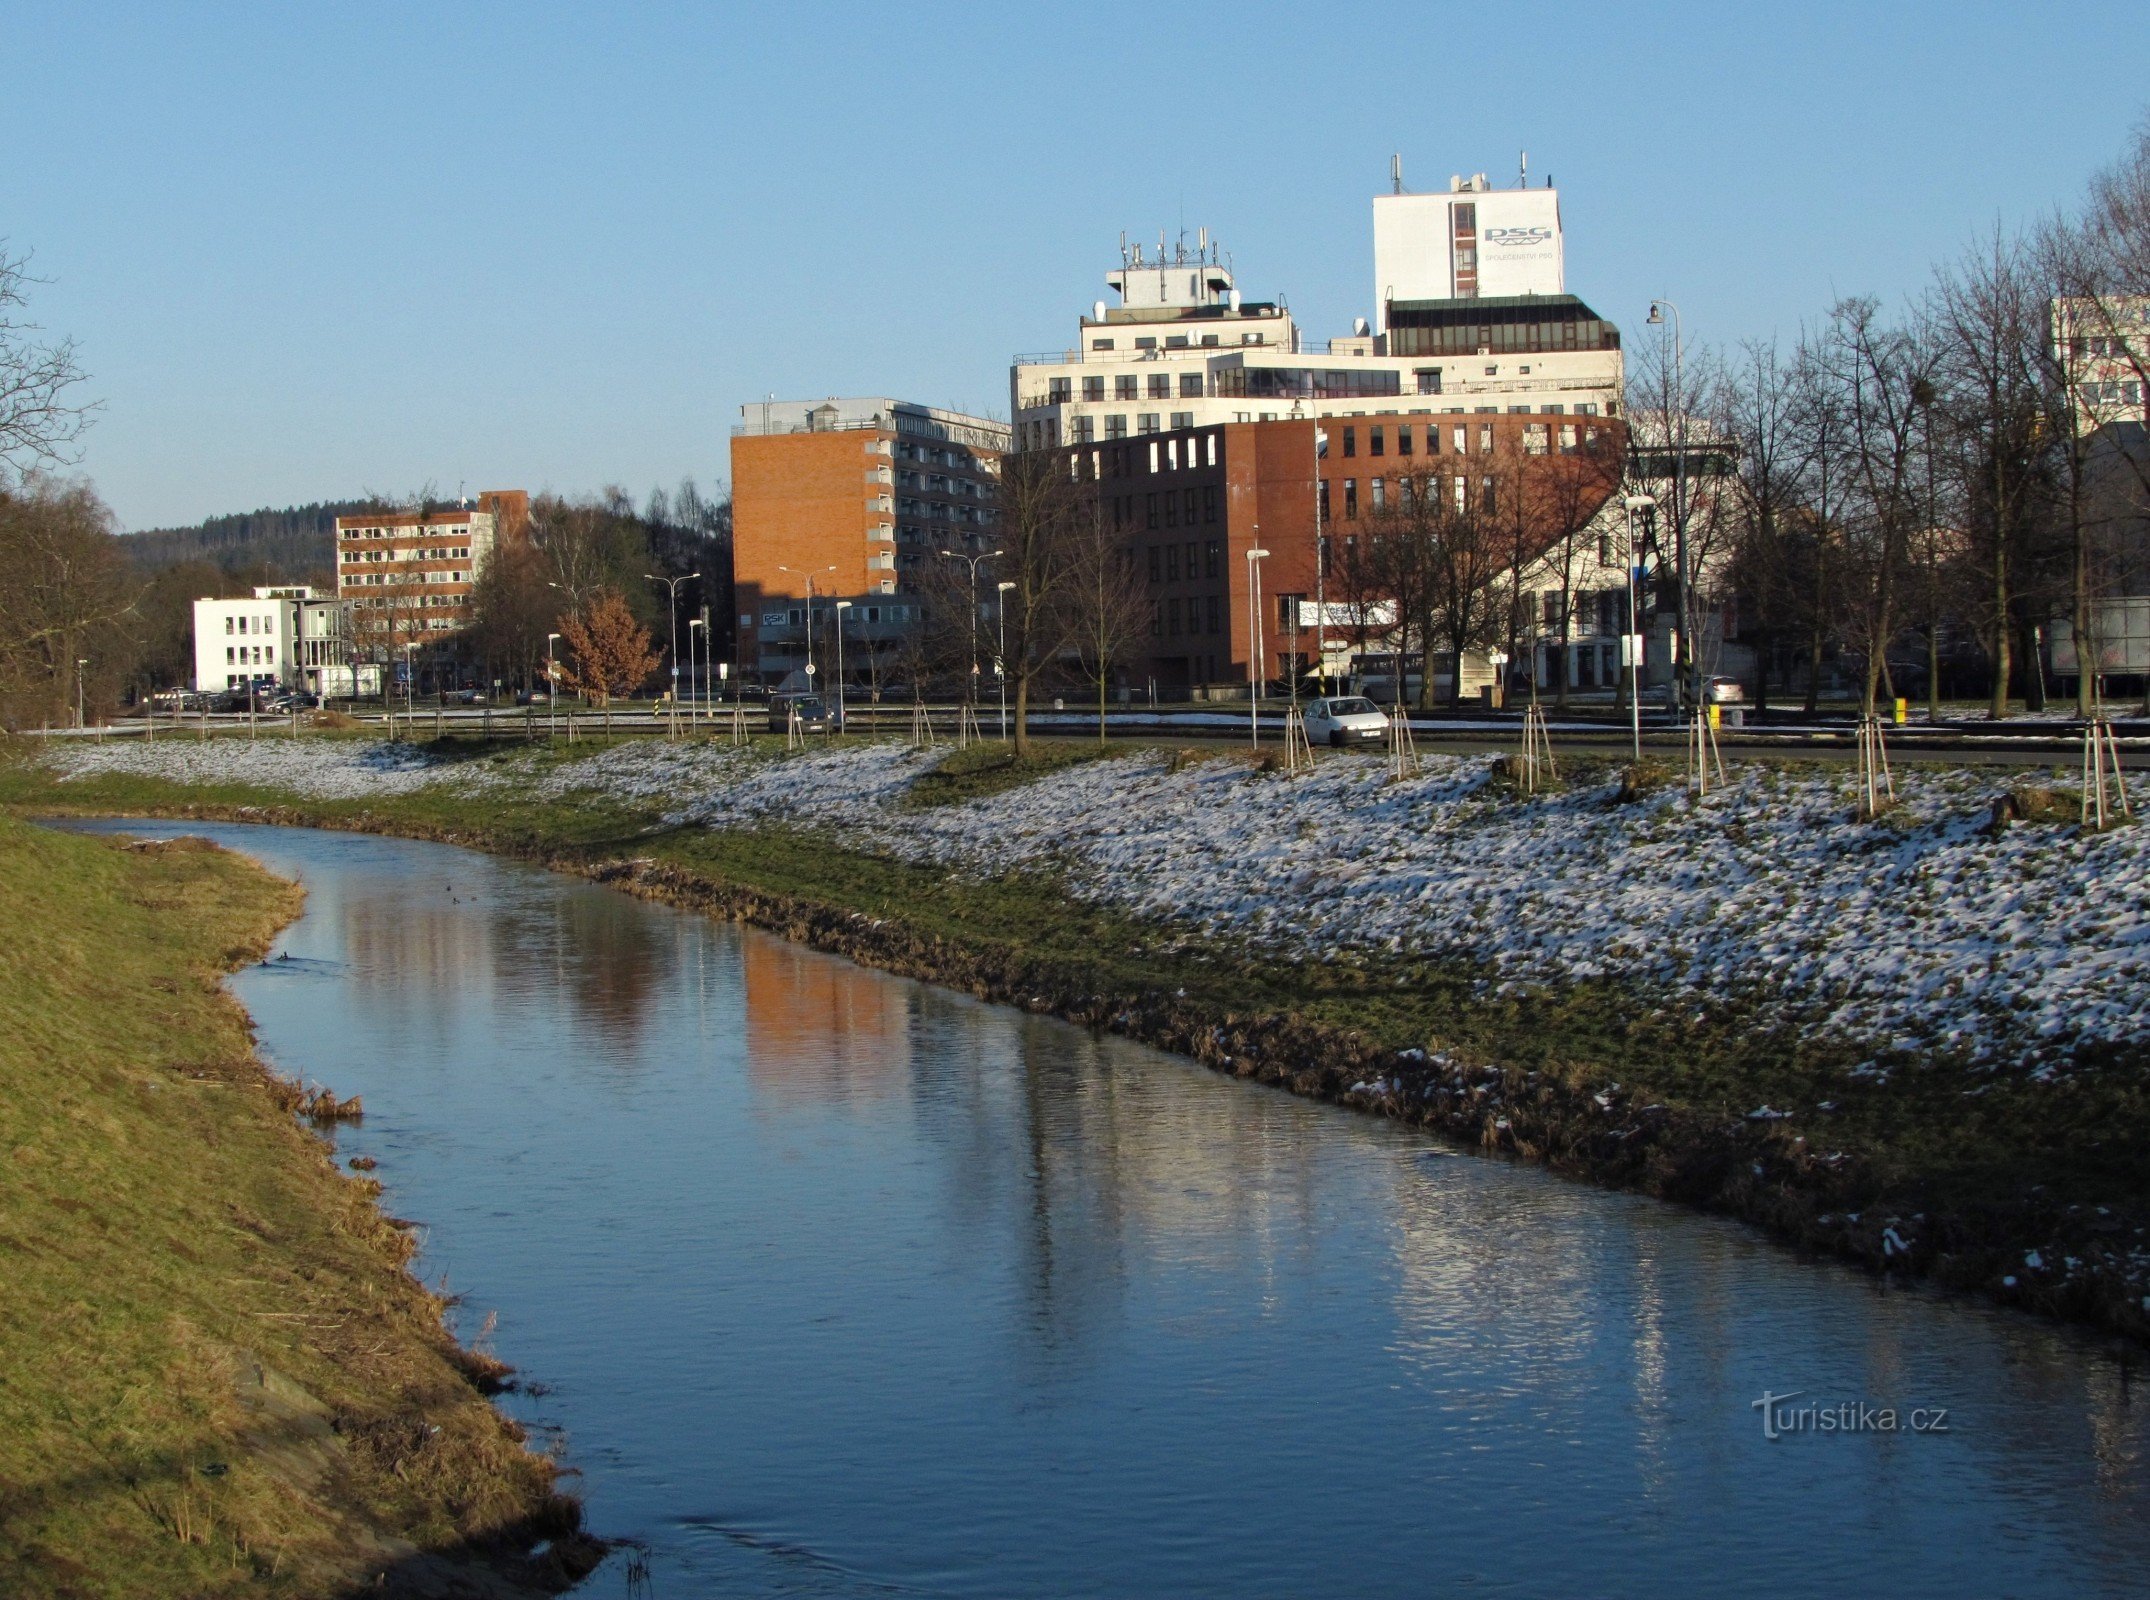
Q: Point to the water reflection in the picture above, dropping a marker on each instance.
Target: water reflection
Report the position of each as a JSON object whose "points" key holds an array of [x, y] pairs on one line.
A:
{"points": [[850, 1286]]}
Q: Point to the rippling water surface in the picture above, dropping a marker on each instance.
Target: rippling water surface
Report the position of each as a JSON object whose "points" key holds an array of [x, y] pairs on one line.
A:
{"points": [[842, 1285]]}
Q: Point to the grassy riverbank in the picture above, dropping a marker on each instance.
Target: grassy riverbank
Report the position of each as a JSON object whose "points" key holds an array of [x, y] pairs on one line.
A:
{"points": [[216, 1375], [2027, 1186]]}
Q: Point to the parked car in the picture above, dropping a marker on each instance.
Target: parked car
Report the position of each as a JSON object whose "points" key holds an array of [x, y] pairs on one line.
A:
{"points": [[468, 697], [534, 697], [1716, 691], [811, 710], [1345, 720]]}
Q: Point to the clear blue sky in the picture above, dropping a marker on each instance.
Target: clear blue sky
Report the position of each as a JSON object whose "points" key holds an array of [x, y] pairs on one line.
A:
{"points": [[315, 249]]}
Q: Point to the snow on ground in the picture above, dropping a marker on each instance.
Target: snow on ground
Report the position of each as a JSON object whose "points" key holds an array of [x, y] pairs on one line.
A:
{"points": [[1922, 929]]}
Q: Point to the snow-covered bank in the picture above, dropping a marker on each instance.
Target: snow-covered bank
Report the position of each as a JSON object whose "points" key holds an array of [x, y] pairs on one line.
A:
{"points": [[1924, 929]]}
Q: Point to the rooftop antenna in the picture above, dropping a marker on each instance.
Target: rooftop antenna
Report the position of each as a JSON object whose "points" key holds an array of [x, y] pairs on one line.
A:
{"points": [[1523, 171], [1396, 173]]}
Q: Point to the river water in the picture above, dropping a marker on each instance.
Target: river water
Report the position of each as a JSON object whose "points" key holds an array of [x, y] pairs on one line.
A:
{"points": [[842, 1285]]}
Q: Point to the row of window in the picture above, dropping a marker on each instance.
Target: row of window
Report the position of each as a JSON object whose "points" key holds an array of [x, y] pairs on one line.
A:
{"points": [[1203, 558], [262, 655], [940, 483], [376, 579], [1129, 386], [1165, 509], [1182, 341], [246, 624], [1200, 614], [352, 558], [405, 531]]}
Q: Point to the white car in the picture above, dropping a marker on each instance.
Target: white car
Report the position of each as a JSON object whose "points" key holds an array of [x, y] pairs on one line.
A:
{"points": [[1345, 720]]}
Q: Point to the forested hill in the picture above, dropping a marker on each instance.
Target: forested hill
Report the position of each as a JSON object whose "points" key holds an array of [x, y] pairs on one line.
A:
{"points": [[294, 541]]}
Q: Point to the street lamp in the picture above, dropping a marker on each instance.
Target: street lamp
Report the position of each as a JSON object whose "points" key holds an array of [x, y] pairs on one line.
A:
{"points": [[552, 690], [1684, 652], [841, 607], [671, 618], [1000, 623], [702, 693], [1631, 641], [809, 577], [1254, 630], [80, 663], [957, 555]]}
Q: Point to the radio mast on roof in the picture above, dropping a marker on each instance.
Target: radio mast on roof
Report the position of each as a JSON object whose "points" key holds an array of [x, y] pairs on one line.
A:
{"points": [[1396, 173]]}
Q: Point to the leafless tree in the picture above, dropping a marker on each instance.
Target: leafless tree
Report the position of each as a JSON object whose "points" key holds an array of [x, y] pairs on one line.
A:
{"points": [[65, 597], [40, 423], [1037, 535], [1107, 602]]}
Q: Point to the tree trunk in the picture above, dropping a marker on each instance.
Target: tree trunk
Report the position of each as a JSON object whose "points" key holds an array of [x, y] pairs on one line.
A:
{"points": [[1998, 708], [1022, 716]]}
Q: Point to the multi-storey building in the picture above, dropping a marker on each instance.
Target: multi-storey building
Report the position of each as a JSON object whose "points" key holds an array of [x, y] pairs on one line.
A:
{"points": [[283, 637], [1473, 318], [1193, 505], [406, 577], [837, 505]]}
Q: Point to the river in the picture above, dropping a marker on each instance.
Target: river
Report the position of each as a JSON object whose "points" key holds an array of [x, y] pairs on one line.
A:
{"points": [[843, 1285]]}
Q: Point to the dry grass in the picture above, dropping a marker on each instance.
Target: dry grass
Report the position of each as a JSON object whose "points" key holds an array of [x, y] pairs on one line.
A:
{"points": [[215, 1375]]}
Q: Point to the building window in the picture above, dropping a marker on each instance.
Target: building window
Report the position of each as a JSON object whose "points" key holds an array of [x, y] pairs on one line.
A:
{"points": [[1149, 520], [1429, 380], [1212, 553], [1403, 438], [1209, 505], [1376, 493], [1146, 422], [1101, 344], [1116, 426], [1190, 386], [1185, 419], [1351, 497], [1351, 441], [1324, 499], [1160, 386], [1126, 386], [1214, 608], [1058, 391], [1213, 449], [1376, 445], [1093, 388], [1485, 438]]}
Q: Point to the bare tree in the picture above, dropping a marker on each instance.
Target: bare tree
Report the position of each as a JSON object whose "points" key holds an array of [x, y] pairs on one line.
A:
{"points": [[1107, 602], [65, 599], [1036, 534], [40, 424]]}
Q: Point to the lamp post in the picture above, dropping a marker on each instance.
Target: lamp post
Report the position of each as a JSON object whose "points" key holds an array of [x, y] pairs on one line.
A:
{"points": [[1000, 624], [1255, 661], [1631, 640], [552, 690], [695, 711], [957, 555], [80, 663], [809, 577], [1683, 655], [671, 618], [840, 608], [1321, 567]]}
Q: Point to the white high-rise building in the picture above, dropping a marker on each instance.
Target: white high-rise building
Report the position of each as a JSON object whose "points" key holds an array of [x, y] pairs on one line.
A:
{"points": [[1473, 317]]}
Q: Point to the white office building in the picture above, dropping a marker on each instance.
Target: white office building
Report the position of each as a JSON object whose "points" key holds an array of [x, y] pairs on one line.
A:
{"points": [[280, 637], [1473, 316]]}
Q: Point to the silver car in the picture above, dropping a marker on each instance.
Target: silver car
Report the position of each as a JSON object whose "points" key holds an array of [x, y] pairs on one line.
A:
{"points": [[1343, 720]]}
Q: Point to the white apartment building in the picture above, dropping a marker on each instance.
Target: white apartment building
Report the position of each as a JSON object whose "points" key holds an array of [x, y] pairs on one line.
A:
{"points": [[285, 638], [1474, 317]]}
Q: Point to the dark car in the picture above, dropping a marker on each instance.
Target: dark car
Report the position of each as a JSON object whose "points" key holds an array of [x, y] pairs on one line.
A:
{"points": [[811, 712]]}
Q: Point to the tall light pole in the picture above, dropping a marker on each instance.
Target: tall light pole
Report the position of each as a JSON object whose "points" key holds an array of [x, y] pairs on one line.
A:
{"points": [[552, 690], [1255, 663], [797, 572], [80, 663], [957, 555], [840, 608], [1631, 640], [1000, 623], [1684, 654], [671, 617], [692, 624], [1321, 565]]}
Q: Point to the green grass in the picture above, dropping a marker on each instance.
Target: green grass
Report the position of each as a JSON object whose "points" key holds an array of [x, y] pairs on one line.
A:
{"points": [[193, 1293]]}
